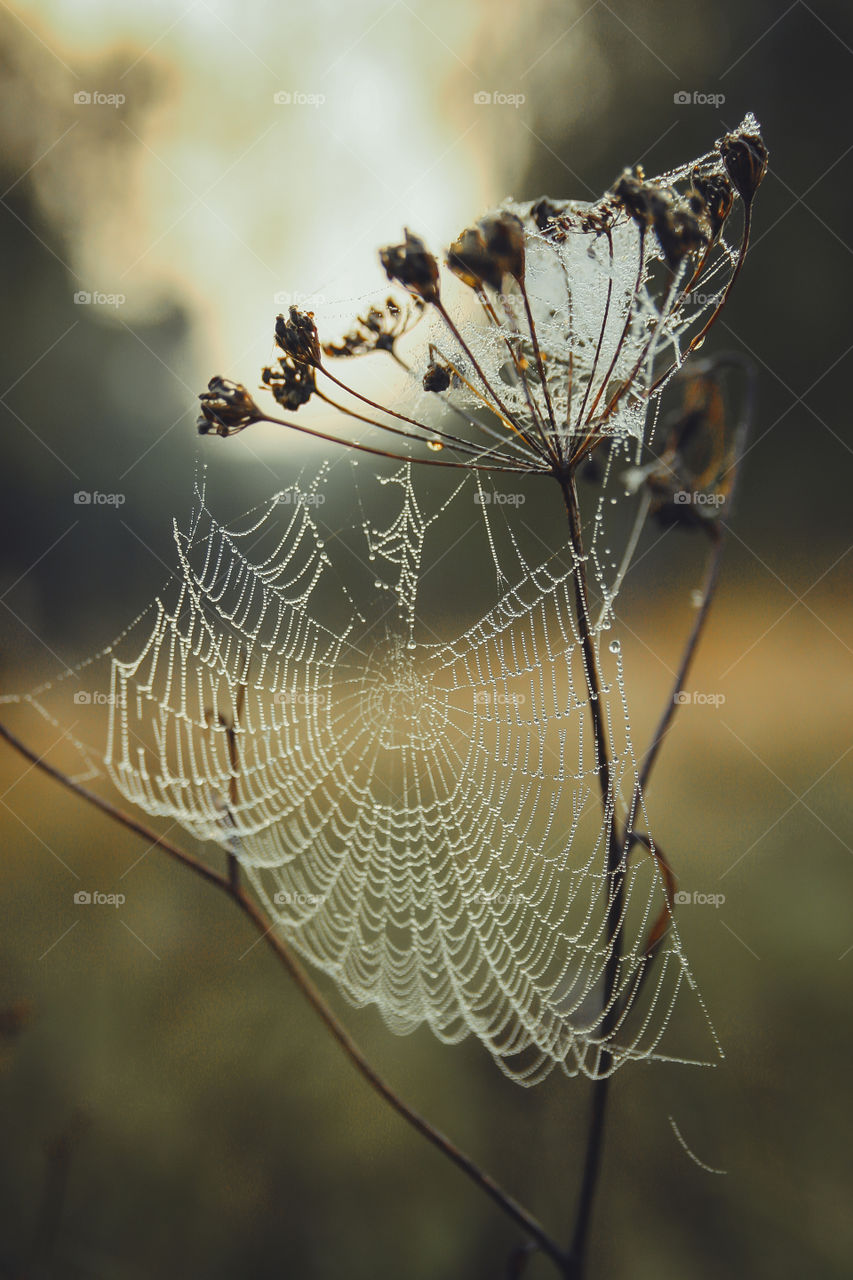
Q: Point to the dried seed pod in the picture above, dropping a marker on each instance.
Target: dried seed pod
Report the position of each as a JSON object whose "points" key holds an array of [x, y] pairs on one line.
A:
{"points": [[640, 198], [680, 232], [745, 158], [716, 191], [484, 254], [378, 330], [297, 336], [413, 266], [503, 234], [226, 408], [436, 378], [291, 383]]}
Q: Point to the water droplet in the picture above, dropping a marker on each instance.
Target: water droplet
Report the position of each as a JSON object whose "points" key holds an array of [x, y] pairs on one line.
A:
{"points": [[320, 542], [696, 599], [371, 556], [411, 645], [615, 646], [613, 502], [435, 445], [377, 583]]}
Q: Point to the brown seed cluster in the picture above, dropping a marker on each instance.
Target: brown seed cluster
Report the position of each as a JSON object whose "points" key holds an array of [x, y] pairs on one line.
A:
{"points": [[226, 408], [378, 330], [550, 401]]}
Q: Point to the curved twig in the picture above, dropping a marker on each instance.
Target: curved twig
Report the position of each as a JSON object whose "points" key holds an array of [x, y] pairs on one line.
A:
{"points": [[230, 885]]}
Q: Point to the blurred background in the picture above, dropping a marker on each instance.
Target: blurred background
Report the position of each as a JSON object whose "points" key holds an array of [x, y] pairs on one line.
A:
{"points": [[171, 178]]}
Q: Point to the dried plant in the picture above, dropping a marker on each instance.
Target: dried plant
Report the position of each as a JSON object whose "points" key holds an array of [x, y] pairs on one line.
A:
{"points": [[552, 329]]}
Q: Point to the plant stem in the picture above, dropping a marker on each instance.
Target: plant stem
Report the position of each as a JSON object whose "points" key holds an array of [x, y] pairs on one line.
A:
{"points": [[709, 586], [589, 1180], [575, 1263], [712, 574]]}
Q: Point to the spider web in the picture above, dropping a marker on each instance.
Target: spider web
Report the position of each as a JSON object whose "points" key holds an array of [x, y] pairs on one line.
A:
{"points": [[414, 798]]}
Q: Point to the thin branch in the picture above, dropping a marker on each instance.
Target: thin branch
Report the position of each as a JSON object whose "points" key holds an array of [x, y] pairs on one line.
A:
{"points": [[589, 1181], [575, 1267], [231, 886], [384, 453], [575, 1263], [712, 573]]}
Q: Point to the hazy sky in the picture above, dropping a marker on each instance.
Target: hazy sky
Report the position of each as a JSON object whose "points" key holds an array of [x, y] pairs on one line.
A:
{"points": [[242, 202]]}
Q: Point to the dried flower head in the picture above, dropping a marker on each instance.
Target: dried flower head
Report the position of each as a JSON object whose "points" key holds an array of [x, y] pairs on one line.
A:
{"points": [[484, 254], [226, 408], [297, 337], [562, 321], [413, 266], [379, 329], [689, 482], [292, 383], [745, 157], [436, 378]]}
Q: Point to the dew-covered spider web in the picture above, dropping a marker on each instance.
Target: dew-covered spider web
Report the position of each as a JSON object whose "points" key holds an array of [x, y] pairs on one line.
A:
{"points": [[379, 705]]}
